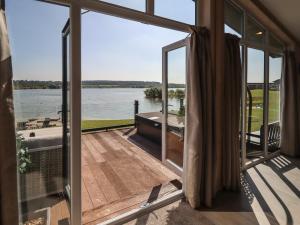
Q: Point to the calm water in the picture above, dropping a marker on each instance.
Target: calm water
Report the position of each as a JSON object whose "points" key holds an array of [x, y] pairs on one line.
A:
{"points": [[104, 103]]}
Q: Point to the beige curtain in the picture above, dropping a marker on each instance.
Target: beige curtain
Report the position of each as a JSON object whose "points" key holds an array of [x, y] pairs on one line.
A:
{"points": [[231, 115], [8, 168], [199, 139], [203, 160], [290, 105]]}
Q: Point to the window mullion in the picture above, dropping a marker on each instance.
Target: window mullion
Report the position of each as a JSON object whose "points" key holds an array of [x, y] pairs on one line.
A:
{"points": [[150, 7]]}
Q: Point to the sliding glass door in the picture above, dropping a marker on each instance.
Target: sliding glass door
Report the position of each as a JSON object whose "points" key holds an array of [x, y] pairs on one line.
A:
{"points": [[255, 104], [65, 111], [174, 80], [275, 70], [262, 67], [40, 105]]}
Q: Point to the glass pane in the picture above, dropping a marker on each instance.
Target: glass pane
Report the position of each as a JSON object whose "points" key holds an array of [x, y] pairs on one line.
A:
{"points": [[179, 10], [139, 5], [255, 100], [254, 32], [176, 105], [274, 42], [274, 102], [119, 69], [35, 39], [65, 114], [233, 19]]}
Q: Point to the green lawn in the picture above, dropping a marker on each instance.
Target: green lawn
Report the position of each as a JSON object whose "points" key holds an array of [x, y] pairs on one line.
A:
{"points": [[90, 124], [257, 108]]}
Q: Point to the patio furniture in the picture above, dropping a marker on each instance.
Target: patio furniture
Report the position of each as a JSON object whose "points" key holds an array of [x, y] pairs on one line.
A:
{"points": [[256, 140]]}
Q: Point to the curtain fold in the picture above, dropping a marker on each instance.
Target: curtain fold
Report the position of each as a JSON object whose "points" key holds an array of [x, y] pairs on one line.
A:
{"points": [[203, 160], [8, 165], [199, 144], [231, 115], [290, 105]]}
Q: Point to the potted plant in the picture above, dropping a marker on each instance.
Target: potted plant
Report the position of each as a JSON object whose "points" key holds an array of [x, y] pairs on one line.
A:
{"points": [[24, 160]]}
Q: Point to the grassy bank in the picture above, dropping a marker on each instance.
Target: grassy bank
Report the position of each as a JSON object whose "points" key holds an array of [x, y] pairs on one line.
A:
{"points": [[91, 124], [257, 108]]}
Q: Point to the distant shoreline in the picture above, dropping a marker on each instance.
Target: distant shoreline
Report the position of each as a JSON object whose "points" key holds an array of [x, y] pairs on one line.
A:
{"points": [[37, 88], [32, 85]]}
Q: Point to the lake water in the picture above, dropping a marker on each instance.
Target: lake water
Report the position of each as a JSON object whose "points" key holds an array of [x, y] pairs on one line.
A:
{"points": [[101, 103]]}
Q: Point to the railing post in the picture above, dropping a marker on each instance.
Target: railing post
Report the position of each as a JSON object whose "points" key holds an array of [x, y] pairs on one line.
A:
{"points": [[136, 110], [136, 107]]}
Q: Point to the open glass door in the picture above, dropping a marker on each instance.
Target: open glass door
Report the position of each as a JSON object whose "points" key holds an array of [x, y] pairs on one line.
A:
{"points": [[174, 79], [65, 108]]}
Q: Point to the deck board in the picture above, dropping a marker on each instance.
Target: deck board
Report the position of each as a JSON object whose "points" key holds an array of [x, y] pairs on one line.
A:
{"points": [[95, 193], [118, 175], [106, 186]]}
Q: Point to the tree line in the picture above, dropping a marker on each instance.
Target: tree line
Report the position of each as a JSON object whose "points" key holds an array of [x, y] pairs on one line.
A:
{"points": [[34, 84]]}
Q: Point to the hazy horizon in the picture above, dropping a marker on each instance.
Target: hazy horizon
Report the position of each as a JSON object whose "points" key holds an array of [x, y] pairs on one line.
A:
{"points": [[112, 48]]}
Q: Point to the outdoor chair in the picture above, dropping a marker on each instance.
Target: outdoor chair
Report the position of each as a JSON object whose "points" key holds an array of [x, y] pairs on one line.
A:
{"points": [[256, 141]]}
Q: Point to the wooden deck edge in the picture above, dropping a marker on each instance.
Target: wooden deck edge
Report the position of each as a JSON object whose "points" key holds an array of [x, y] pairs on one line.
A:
{"points": [[133, 214], [138, 201]]}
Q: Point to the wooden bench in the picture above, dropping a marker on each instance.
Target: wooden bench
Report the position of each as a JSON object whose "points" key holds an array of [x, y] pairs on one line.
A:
{"points": [[273, 137]]}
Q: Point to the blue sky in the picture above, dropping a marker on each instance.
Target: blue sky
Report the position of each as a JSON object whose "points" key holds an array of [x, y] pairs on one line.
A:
{"points": [[256, 64], [112, 48]]}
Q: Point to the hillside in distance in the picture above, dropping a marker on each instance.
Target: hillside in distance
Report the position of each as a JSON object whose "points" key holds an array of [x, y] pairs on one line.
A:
{"points": [[34, 84]]}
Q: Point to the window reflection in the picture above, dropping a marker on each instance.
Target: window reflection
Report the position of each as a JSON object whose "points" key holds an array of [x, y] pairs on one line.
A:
{"points": [[274, 102], [274, 42], [254, 32], [233, 19]]}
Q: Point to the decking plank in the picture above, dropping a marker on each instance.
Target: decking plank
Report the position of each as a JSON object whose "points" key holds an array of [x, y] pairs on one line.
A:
{"points": [[138, 156], [87, 157], [95, 193], [147, 159], [124, 178], [93, 149], [86, 198], [115, 180], [107, 142], [109, 211], [105, 185], [126, 172], [96, 144]]}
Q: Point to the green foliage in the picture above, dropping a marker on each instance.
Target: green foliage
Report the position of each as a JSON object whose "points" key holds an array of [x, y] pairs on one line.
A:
{"points": [[31, 84], [22, 154], [257, 108], [181, 111], [155, 92], [179, 93]]}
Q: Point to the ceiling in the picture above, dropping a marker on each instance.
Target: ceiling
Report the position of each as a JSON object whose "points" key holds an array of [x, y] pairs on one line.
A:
{"points": [[287, 13]]}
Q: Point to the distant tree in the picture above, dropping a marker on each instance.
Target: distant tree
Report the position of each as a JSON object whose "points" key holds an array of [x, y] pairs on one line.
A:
{"points": [[179, 93], [155, 92]]}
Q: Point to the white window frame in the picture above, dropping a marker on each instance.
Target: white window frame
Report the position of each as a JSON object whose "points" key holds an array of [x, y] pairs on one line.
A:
{"points": [[147, 17], [165, 50]]}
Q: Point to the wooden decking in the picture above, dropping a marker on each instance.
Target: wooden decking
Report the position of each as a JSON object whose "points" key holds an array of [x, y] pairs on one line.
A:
{"points": [[119, 176]]}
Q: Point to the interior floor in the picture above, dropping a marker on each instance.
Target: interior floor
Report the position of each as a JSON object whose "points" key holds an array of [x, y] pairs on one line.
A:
{"points": [[270, 195]]}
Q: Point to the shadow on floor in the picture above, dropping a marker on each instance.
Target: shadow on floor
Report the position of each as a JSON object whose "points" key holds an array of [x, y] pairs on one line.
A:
{"points": [[145, 144], [269, 196]]}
